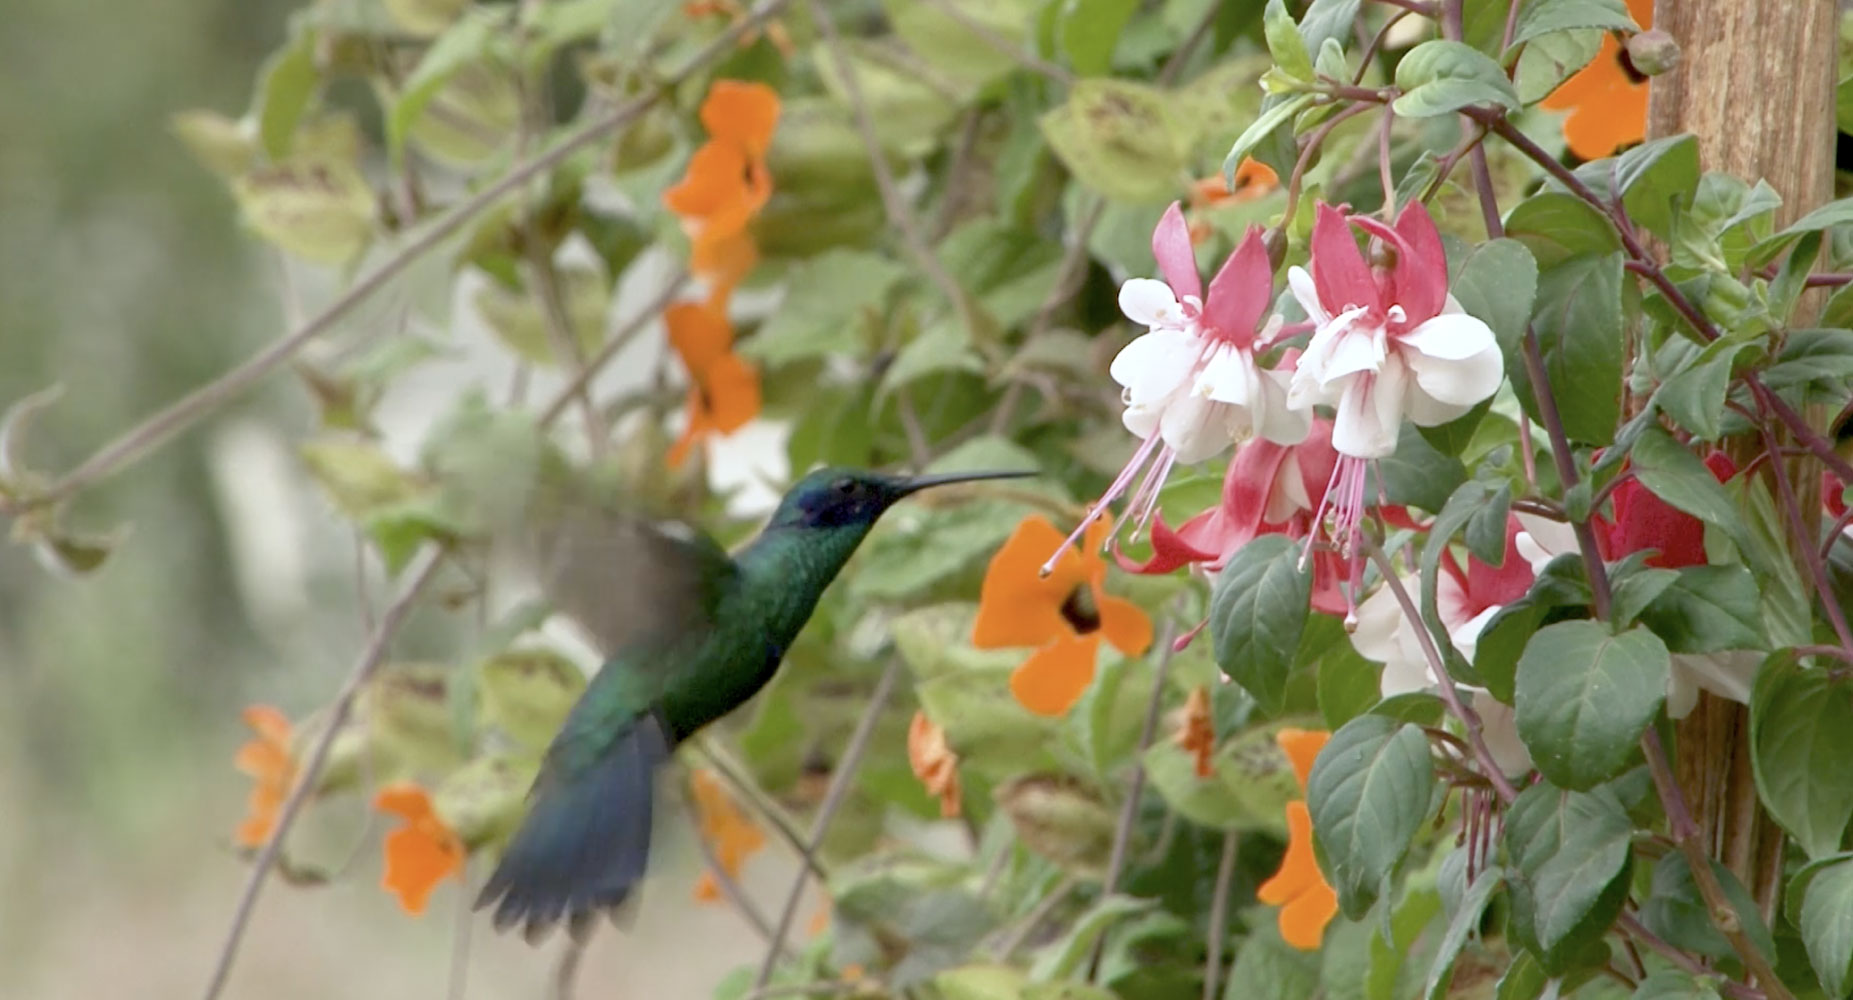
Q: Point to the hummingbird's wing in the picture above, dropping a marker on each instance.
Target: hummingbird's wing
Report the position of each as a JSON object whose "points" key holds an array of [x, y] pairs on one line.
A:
{"points": [[623, 574]]}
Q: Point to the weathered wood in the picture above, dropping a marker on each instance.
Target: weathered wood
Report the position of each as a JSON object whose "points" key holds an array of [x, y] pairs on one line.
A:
{"points": [[1755, 84]]}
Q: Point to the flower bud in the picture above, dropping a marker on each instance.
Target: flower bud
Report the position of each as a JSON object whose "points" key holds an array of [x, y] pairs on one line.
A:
{"points": [[484, 800], [1059, 818], [1653, 52]]}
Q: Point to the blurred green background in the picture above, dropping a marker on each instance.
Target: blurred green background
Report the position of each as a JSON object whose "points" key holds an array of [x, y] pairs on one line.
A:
{"points": [[125, 276]]}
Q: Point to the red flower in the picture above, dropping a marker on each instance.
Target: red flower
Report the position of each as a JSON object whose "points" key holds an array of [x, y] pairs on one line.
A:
{"points": [[1644, 521]]}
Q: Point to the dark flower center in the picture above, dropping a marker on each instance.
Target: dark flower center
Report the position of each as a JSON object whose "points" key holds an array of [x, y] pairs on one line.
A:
{"points": [[1080, 612]]}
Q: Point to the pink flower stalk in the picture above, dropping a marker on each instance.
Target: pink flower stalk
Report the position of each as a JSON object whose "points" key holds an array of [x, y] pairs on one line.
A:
{"points": [[1389, 343], [1191, 383]]}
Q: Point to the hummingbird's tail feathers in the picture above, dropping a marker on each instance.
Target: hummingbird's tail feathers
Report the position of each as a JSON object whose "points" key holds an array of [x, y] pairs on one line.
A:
{"points": [[586, 840]]}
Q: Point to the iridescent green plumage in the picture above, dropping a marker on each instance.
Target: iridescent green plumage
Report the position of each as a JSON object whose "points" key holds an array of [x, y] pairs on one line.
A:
{"points": [[692, 633]]}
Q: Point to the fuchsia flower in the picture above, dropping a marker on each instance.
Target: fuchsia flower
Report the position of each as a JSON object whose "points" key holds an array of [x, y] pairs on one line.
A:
{"points": [[1269, 489], [1191, 383], [1465, 601], [1642, 522], [1388, 343]]}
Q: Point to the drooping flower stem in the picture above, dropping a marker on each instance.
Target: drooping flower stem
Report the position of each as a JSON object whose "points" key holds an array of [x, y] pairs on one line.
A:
{"points": [[1804, 545], [1470, 719]]}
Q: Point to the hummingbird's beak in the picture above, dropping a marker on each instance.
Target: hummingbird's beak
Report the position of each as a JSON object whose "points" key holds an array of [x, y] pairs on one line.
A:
{"points": [[903, 485]]}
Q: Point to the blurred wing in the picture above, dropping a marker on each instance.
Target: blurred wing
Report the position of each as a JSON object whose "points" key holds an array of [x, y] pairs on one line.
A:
{"points": [[623, 576]]}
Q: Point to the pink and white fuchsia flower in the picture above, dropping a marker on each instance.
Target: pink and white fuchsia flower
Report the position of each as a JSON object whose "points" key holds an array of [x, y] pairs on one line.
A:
{"points": [[1191, 384], [1388, 344]]}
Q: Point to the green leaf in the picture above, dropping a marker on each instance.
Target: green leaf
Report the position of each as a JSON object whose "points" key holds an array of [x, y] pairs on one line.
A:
{"points": [[1825, 918], [1635, 586], [957, 53], [1348, 685], [1267, 966], [1462, 924], [1801, 717], [1547, 61], [1834, 213], [1677, 912], [1089, 30], [1368, 794], [1486, 529], [1675, 984], [1118, 138], [461, 44], [1556, 226], [1569, 852], [286, 85], [1542, 17], [1683, 480], [1276, 111], [1438, 77], [1583, 697], [1061, 959], [1285, 43], [1708, 609], [1327, 20], [1525, 979], [1497, 282], [1694, 395], [1251, 783], [824, 300], [1812, 357], [1578, 322], [1652, 179], [1416, 474], [1257, 613]]}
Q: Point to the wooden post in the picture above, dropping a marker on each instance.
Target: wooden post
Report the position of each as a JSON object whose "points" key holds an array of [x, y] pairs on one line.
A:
{"points": [[1755, 85]]}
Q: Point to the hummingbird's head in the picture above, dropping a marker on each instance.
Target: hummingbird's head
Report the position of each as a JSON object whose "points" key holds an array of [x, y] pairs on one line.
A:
{"points": [[838, 497]]}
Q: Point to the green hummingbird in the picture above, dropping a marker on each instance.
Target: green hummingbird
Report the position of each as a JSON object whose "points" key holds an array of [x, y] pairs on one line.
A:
{"points": [[691, 633]]}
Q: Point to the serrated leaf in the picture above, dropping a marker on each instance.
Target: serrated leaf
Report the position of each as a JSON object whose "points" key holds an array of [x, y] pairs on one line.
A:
{"points": [[1441, 76], [1568, 851], [1257, 613], [1368, 794], [1542, 17], [1578, 322], [1825, 918], [824, 299], [1800, 717], [1583, 697], [1708, 609]]}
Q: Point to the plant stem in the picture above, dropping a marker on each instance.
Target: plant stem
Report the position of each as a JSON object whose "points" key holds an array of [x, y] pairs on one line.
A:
{"points": [[1470, 720], [833, 798], [1219, 915], [418, 576], [143, 438]]}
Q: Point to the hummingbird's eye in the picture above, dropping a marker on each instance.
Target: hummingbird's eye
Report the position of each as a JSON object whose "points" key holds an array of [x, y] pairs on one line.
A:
{"points": [[847, 488]]}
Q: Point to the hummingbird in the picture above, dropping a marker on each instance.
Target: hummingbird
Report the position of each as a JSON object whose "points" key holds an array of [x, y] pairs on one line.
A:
{"points": [[691, 633]]}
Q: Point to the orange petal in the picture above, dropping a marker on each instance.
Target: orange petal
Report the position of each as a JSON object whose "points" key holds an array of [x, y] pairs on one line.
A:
{"points": [[715, 185], [1254, 178], [723, 259], [699, 334], [1299, 869], [1053, 678], [417, 859], [261, 759], [820, 921], [1017, 605], [1592, 82], [405, 800], [730, 390], [741, 113], [1599, 127], [708, 889], [270, 724], [1196, 733], [1302, 747], [1125, 624], [1303, 921], [254, 830]]}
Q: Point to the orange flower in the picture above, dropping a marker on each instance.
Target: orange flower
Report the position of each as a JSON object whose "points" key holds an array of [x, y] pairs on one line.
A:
{"points": [[934, 763], [820, 921], [1066, 613], [1307, 903], [1196, 730], [723, 391], [1253, 179], [731, 9], [419, 854], [1607, 99], [732, 835], [266, 759], [726, 182]]}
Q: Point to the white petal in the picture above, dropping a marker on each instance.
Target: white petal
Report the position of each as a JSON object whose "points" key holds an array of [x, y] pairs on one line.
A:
{"points": [[1464, 382], [1379, 617], [1682, 696], [1196, 428], [1500, 730], [1229, 377], [1300, 281], [1156, 365], [1466, 635], [1542, 540], [1355, 347], [1141, 420], [1288, 495], [1424, 410], [1275, 419], [1151, 302], [1450, 337], [1357, 429], [1727, 675]]}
